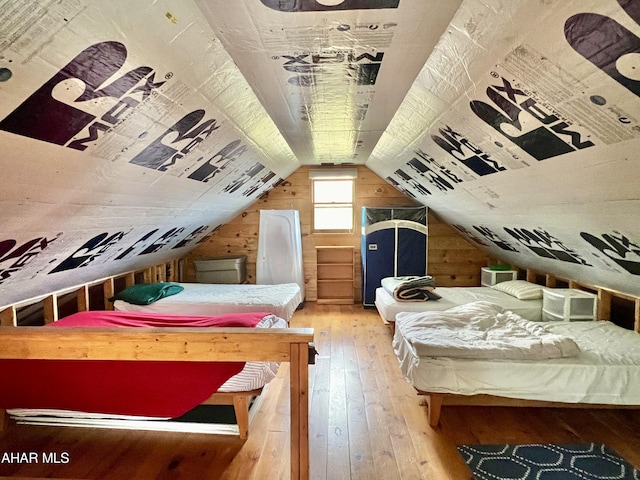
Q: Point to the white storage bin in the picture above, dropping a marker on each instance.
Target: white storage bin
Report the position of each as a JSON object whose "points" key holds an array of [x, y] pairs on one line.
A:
{"points": [[490, 277], [568, 304], [230, 269]]}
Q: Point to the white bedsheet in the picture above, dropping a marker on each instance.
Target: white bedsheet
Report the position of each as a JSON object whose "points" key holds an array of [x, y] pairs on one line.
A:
{"points": [[481, 330], [215, 299], [606, 371], [388, 307]]}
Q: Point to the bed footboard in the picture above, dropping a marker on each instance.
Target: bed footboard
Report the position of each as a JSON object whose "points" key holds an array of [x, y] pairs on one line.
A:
{"points": [[179, 344]]}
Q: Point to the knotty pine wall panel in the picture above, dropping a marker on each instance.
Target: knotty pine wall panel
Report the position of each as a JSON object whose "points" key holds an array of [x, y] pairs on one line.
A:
{"points": [[452, 260]]}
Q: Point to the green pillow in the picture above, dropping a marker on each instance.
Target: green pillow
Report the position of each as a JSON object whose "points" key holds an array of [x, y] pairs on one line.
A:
{"points": [[146, 293]]}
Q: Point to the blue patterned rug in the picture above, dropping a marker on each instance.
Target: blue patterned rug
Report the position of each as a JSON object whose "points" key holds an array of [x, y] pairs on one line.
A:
{"points": [[590, 461]]}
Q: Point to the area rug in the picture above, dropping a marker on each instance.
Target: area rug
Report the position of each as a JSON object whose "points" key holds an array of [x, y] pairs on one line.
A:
{"points": [[590, 461]]}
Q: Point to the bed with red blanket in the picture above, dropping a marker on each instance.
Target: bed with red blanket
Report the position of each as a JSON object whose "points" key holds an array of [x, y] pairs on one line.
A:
{"points": [[157, 389]]}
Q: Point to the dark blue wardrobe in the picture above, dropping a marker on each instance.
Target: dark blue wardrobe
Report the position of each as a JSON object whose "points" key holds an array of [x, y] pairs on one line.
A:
{"points": [[394, 243]]}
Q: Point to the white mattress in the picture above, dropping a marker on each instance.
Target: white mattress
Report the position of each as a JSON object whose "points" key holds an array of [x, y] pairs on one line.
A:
{"points": [[388, 307], [215, 299], [607, 370]]}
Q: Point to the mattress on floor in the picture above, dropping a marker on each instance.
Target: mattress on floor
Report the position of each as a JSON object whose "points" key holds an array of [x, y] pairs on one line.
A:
{"points": [[388, 307], [214, 299]]}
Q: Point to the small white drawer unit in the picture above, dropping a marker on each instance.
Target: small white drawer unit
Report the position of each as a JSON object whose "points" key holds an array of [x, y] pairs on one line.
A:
{"points": [[568, 304], [490, 277]]}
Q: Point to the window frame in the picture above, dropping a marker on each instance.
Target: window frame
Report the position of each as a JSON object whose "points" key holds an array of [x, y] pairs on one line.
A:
{"points": [[336, 204]]}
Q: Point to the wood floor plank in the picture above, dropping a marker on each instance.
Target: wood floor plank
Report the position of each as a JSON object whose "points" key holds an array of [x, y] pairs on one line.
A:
{"points": [[318, 419], [366, 422], [272, 464], [338, 427], [360, 453]]}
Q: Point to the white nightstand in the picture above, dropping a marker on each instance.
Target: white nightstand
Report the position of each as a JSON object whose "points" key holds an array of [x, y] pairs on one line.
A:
{"points": [[490, 277], [568, 304]]}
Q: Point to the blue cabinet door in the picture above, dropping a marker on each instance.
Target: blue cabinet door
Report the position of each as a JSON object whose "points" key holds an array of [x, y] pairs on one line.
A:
{"points": [[411, 252], [379, 261]]}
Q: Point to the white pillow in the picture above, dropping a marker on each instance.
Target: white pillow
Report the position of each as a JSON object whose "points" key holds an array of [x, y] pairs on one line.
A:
{"points": [[521, 289]]}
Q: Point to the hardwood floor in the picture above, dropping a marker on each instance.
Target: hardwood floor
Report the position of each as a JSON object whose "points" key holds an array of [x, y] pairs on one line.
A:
{"points": [[366, 422]]}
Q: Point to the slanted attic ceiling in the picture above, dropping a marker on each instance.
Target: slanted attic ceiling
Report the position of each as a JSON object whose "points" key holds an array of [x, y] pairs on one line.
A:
{"points": [[129, 134]]}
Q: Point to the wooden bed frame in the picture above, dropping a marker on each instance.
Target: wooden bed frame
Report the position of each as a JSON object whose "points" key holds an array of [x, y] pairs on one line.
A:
{"points": [[190, 345], [434, 401], [167, 272]]}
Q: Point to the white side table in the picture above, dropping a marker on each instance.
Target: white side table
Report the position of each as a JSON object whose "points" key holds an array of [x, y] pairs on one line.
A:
{"points": [[490, 277], [568, 304]]}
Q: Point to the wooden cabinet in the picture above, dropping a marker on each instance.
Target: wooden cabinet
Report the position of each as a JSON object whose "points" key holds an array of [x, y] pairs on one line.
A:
{"points": [[335, 274]]}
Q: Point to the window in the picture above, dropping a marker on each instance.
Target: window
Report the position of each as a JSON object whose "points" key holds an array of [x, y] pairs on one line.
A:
{"points": [[332, 198]]}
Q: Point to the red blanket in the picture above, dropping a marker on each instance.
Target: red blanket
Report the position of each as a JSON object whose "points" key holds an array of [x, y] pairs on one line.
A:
{"points": [[148, 388]]}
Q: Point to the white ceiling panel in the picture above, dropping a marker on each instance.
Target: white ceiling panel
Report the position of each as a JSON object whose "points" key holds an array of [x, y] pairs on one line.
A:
{"points": [[330, 74]]}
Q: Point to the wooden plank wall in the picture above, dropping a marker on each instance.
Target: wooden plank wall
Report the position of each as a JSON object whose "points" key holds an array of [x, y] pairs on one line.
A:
{"points": [[89, 296], [452, 260]]}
